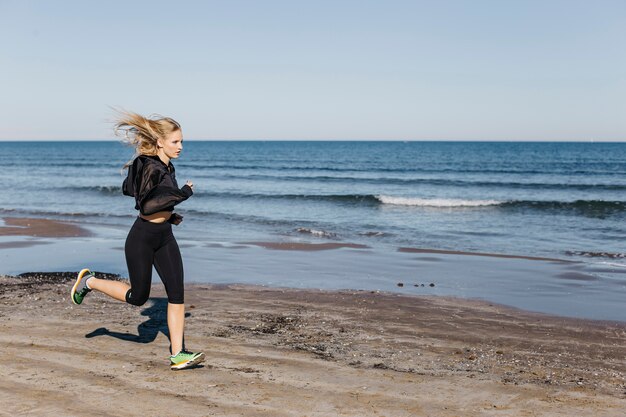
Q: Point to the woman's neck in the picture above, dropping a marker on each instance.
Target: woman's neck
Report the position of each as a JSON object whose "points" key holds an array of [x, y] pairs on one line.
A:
{"points": [[163, 157]]}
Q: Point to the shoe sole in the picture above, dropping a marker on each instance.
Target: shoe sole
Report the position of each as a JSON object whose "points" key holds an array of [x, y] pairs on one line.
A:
{"points": [[195, 361], [81, 274]]}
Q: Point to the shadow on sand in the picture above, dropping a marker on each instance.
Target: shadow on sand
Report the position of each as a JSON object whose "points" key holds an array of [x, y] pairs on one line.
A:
{"points": [[148, 330]]}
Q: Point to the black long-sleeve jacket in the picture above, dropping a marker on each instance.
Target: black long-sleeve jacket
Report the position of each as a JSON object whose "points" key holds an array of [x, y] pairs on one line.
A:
{"points": [[154, 186]]}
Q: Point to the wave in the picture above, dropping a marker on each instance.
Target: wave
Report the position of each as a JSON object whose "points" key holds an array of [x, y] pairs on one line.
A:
{"points": [[590, 254], [245, 218], [583, 207], [337, 198], [357, 199], [53, 213], [440, 182], [435, 202], [614, 264], [611, 169], [590, 207], [102, 189], [65, 164], [317, 233], [374, 234], [579, 207]]}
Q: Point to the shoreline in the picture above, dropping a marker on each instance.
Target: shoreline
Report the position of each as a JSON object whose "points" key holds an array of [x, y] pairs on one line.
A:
{"points": [[550, 286], [57, 277], [52, 228], [278, 352]]}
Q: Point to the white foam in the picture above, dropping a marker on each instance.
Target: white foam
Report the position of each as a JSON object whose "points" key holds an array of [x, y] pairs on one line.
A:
{"points": [[612, 264], [318, 233], [435, 202]]}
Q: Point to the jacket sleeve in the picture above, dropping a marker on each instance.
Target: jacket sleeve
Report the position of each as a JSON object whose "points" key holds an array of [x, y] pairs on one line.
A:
{"points": [[128, 185], [158, 191]]}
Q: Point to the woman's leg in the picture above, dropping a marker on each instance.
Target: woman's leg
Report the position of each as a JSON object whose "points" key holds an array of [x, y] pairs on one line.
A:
{"points": [[141, 243], [176, 325], [139, 251], [169, 264], [115, 289]]}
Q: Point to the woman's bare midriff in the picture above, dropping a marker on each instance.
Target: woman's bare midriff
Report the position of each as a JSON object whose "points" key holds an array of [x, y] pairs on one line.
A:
{"points": [[158, 217]]}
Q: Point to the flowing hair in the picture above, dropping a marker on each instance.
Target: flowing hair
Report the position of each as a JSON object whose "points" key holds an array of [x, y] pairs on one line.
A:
{"points": [[142, 132]]}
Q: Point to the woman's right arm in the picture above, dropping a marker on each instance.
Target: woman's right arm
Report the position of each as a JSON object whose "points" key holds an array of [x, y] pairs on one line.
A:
{"points": [[156, 194]]}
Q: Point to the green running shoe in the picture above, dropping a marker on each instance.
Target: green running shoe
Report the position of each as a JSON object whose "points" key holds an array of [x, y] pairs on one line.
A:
{"points": [[80, 288], [185, 359]]}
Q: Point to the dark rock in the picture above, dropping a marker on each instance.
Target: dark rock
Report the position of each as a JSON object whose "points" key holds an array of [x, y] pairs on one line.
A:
{"points": [[431, 285], [400, 284]]}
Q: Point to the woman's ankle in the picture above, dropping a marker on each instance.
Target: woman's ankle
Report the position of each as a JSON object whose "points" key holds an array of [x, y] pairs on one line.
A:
{"points": [[87, 282]]}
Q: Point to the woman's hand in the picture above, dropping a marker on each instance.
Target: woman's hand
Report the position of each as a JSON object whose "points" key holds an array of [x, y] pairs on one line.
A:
{"points": [[190, 184], [175, 219]]}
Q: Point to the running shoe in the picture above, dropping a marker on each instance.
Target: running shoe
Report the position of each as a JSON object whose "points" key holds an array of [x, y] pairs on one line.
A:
{"points": [[185, 359], [80, 288]]}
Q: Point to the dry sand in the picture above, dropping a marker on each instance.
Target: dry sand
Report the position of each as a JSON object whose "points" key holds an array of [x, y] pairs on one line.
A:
{"points": [[273, 352]]}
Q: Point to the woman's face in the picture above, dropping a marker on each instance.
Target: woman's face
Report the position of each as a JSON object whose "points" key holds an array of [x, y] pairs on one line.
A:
{"points": [[172, 144]]}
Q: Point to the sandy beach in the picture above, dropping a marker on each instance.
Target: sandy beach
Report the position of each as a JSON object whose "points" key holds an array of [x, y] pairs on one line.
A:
{"points": [[391, 209], [285, 352]]}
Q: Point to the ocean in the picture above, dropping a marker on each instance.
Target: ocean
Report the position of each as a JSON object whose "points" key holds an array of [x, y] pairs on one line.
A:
{"points": [[550, 200]]}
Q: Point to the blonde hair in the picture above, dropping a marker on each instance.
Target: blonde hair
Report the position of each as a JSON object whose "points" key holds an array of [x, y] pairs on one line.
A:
{"points": [[143, 132]]}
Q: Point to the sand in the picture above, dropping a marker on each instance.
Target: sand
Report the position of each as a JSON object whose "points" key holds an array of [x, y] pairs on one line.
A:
{"points": [[302, 246], [284, 352], [18, 226]]}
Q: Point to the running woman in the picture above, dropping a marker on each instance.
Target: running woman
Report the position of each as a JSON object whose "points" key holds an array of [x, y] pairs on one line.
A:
{"points": [[152, 182]]}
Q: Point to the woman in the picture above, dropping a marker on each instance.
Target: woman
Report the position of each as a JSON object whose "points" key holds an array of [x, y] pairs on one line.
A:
{"points": [[151, 180]]}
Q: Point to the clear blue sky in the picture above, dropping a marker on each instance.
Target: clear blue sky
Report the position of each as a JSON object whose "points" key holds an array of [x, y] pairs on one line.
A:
{"points": [[405, 70]]}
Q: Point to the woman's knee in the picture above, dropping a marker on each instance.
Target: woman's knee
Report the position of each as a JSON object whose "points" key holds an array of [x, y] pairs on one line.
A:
{"points": [[175, 294], [137, 299], [176, 300]]}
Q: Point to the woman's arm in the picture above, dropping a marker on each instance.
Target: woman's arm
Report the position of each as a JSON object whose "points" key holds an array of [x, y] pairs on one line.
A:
{"points": [[158, 190]]}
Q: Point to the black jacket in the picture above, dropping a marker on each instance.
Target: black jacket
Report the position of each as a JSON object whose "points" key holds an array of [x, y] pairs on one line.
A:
{"points": [[154, 186]]}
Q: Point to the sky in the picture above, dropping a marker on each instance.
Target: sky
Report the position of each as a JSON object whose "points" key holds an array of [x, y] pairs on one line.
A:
{"points": [[317, 70]]}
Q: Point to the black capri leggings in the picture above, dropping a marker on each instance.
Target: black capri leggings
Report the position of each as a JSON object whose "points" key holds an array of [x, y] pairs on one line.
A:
{"points": [[150, 244]]}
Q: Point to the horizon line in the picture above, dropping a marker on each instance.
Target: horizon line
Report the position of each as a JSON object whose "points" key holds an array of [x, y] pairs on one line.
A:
{"points": [[342, 140]]}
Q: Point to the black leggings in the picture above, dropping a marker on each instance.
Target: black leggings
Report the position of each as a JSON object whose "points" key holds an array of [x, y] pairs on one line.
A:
{"points": [[150, 244]]}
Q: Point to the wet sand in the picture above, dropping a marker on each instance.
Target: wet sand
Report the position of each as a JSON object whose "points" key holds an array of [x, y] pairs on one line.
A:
{"points": [[284, 352], [492, 255], [21, 226], [301, 246]]}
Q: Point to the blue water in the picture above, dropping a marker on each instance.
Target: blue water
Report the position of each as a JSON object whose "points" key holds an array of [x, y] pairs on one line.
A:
{"points": [[562, 200], [549, 200]]}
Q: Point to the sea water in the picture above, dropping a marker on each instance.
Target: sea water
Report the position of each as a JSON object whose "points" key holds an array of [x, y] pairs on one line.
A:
{"points": [[553, 200]]}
